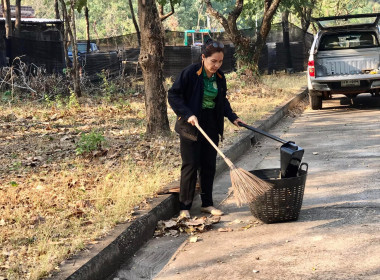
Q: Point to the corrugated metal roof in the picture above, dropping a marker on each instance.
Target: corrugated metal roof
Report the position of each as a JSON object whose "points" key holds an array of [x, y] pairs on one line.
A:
{"points": [[26, 11], [36, 20]]}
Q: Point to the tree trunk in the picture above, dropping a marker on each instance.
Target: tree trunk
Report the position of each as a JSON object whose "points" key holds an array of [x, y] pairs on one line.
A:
{"points": [[66, 28], [305, 15], [135, 22], [95, 31], [73, 40], [56, 8], [306, 47], [18, 18], [151, 61], [3, 7], [286, 41], [8, 21], [70, 32], [87, 28], [270, 8]]}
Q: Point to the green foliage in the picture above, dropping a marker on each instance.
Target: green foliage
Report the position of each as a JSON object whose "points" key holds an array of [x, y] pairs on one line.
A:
{"points": [[242, 70], [80, 4], [73, 101], [89, 142], [59, 101], [7, 96], [164, 2], [13, 183], [47, 100], [123, 104], [15, 166], [245, 59], [108, 87], [113, 17]]}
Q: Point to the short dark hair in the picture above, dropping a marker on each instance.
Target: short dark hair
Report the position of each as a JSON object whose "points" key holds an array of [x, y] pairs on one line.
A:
{"points": [[211, 47]]}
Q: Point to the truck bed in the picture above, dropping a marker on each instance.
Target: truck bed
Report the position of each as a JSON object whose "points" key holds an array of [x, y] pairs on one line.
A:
{"points": [[347, 64]]}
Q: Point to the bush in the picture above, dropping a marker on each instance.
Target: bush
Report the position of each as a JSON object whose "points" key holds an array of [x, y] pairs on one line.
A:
{"points": [[89, 142]]}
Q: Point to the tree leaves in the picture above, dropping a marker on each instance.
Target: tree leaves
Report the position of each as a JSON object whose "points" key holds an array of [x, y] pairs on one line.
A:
{"points": [[80, 4]]}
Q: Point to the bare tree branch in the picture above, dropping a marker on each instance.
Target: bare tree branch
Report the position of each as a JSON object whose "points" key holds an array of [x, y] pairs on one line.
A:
{"points": [[135, 22], [229, 24], [161, 11]]}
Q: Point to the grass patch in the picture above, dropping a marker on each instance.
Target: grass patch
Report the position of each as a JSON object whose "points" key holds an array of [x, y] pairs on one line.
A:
{"points": [[56, 201]]}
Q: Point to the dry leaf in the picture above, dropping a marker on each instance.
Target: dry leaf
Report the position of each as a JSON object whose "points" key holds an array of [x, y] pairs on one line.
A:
{"points": [[247, 227], [193, 239], [225, 229], [170, 224], [173, 232], [37, 220], [195, 222], [214, 219], [86, 223], [77, 213], [40, 188]]}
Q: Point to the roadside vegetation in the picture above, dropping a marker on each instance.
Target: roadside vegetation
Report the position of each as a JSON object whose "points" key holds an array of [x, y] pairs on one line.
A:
{"points": [[71, 169]]}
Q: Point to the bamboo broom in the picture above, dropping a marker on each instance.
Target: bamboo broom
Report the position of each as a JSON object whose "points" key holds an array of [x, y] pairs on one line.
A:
{"points": [[245, 186]]}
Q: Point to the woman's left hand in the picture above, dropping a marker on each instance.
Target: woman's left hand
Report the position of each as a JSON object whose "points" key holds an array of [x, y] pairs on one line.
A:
{"points": [[237, 121]]}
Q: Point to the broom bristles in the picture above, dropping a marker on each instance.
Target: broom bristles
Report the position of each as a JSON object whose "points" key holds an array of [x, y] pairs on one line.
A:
{"points": [[246, 186]]}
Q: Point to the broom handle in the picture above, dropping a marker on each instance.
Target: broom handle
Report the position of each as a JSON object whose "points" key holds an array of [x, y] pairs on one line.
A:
{"points": [[226, 159], [263, 132]]}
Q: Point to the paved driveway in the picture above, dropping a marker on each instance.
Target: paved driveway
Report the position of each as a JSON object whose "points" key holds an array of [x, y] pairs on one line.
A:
{"points": [[338, 233]]}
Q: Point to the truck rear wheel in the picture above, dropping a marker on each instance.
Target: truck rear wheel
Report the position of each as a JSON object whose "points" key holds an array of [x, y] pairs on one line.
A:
{"points": [[316, 102]]}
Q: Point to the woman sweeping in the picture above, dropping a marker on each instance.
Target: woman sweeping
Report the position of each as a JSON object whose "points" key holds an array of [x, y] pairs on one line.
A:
{"points": [[198, 96]]}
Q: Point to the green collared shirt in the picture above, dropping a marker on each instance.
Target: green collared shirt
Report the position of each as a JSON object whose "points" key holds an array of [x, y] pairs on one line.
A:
{"points": [[210, 91]]}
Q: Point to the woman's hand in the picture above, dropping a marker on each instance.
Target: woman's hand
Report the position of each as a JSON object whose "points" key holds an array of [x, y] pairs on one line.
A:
{"points": [[193, 120], [237, 121]]}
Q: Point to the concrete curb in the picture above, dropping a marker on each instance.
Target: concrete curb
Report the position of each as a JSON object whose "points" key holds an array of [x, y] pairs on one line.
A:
{"points": [[104, 258]]}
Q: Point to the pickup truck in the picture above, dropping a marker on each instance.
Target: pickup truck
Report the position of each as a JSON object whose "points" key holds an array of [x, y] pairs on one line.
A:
{"points": [[82, 49], [344, 57]]}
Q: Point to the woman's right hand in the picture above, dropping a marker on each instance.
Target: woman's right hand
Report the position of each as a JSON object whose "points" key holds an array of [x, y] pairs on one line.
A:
{"points": [[193, 120]]}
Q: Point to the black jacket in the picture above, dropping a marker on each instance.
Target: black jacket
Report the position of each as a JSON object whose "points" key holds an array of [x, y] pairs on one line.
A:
{"points": [[186, 94]]}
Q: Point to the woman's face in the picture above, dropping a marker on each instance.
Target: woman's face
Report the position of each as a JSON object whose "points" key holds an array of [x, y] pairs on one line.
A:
{"points": [[213, 62]]}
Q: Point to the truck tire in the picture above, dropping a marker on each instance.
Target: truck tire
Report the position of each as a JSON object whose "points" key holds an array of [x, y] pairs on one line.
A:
{"points": [[316, 102]]}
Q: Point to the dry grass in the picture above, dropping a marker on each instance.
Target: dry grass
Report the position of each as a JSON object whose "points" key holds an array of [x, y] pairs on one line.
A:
{"points": [[55, 202]]}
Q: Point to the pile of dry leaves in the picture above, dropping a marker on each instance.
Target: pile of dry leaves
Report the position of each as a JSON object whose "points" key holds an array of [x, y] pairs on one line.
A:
{"points": [[176, 226]]}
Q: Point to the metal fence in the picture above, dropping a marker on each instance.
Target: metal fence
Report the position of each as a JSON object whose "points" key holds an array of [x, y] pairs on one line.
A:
{"points": [[175, 59], [46, 54], [121, 52]]}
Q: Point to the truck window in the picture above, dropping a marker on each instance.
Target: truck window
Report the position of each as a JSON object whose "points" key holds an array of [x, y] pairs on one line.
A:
{"points": [[82, 48], [348, 41]]}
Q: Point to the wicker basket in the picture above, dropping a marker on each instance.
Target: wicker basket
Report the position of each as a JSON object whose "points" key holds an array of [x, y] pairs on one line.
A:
{"points": [[283, 202]]}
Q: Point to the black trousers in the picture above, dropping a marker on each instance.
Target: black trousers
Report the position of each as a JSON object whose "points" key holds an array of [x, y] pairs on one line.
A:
{"points": [[199, 155]]}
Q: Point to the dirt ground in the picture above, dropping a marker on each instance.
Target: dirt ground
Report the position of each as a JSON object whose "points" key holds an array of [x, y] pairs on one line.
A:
{"points": [[53, 199], [56, 202], [337, 233]]}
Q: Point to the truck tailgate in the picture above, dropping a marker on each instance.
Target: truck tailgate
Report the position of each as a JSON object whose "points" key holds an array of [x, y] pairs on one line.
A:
{"points": [[338, 78], [347, 62]]}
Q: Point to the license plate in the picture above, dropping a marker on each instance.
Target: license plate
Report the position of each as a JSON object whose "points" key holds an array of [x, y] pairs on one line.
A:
{"points": [[350, 83]]}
